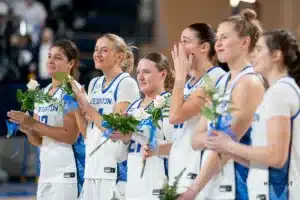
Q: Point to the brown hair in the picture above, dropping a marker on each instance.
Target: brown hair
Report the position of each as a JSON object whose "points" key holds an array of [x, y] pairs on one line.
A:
{"points": [[71, 52], [285, 41], [121, 47], [246, 24], [205, 33], [162, 63]]}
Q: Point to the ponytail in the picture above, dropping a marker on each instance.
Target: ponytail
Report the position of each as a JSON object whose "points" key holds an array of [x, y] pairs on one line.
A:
{"points": [[294, 71], [128, 61]]}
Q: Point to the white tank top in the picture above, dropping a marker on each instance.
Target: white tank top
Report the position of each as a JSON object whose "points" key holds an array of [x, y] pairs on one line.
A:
{"points": [[156, 167], [228, 185], [262, 187], [57, 158], [103, 163], [182, 154]]}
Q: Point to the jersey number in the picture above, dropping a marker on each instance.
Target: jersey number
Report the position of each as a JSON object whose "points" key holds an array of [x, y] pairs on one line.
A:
{"points": [[44, 119], [178, 126], [134, 147], [100, 111]]}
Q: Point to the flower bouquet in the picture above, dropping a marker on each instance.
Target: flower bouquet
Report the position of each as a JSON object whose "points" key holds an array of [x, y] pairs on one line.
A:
{"points": [[156, 112], [123, 123], [215, 111], [69, 103], [27, 100], [170, 192]]}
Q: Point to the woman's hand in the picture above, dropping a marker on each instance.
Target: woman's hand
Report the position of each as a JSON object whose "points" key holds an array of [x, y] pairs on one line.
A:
{"points": [[219, 142], [118, 136], [21, 118], [188, 195], [182, 62], [80, 96]]}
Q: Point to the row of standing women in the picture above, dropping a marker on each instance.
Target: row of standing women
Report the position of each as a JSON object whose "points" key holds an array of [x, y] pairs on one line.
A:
{"points": [[261, 89]]}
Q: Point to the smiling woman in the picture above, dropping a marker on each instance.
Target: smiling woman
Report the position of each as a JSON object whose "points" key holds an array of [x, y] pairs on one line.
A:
{"points": [[54, 132], [110, 93]]}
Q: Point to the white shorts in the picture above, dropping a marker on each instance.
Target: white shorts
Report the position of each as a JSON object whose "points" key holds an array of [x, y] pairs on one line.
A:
{"points": [[98, 189], [55, 191]]}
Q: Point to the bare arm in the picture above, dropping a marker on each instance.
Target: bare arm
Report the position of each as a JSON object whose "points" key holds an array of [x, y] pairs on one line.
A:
{"points": [[276, 152], [34, 138], [242, 115], [200, 135], [67, 134], [81, 122], [182, 110]]}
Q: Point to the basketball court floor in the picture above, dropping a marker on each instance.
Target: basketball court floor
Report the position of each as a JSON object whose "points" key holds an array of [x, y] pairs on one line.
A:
{"points": [[17, 191]]}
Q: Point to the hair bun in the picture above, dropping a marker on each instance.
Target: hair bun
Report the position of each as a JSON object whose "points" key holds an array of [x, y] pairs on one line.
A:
{"points": [[248, 14]]}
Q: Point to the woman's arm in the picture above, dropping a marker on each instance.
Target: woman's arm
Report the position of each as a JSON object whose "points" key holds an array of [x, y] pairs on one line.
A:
{"points": [[200, 134], [242, 115], [34, 138], [67, 134]]}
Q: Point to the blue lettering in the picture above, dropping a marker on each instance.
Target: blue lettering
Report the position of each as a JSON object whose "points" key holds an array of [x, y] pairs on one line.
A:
{"points": [[101, 101], [50, 108]]}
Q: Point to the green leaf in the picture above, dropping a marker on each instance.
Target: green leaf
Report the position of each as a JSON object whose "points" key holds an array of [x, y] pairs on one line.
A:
{"points": [[19, 95], [207, 113], [61, 76]]}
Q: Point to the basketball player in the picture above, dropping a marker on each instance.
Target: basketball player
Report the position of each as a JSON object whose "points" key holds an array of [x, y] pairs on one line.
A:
{"points": [[110, 93], [155, 77], [273, 156], [53, 132], [244, 89]]}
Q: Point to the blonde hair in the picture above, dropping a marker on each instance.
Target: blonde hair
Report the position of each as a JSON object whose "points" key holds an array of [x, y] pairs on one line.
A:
{"points": [[121, 47]]}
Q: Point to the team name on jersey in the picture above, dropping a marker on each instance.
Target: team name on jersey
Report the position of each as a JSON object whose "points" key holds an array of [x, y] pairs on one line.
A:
{"points": [[50, 108], [101, 101]]}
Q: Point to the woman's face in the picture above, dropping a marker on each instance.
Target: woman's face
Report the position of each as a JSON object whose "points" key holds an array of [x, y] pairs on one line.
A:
{"points": [[105, 55], [262, 58], [58, 61], [149, 78], [228, 44]]}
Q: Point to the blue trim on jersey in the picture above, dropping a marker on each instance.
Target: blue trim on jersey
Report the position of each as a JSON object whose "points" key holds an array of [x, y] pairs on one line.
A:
{"points": [[110, 84], [241, 172], [116, 90], [79, 155], [166, 167], [207, 72], [95, 84], [122, 171], [131, 105], [279, 178], [217, 82]]}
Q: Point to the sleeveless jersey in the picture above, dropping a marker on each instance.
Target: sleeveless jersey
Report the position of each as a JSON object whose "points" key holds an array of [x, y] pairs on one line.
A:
{"points": [[58, 161], [232, 183], [103, 163], [149, 186], [182, 154], [275, 183]]}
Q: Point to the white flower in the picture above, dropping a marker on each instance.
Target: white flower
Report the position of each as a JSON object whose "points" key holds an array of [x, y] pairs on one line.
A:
{"points": [[32, 85], [140, 114], [159, 102], [216, 96]]}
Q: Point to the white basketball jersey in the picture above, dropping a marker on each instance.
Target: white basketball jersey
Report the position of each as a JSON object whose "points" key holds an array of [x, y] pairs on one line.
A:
{"points": [[182, 154], [149, 186], [259, 188], [103, 163], [223, 186], [57, 158]]}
